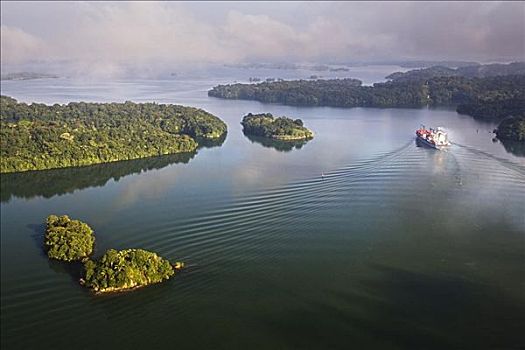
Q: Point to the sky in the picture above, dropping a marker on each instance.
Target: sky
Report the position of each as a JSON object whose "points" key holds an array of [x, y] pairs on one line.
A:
{"points": [[109, 37]]}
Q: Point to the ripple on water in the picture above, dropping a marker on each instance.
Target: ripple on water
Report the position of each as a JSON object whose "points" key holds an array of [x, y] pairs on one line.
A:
{"points": [[344, 208]]}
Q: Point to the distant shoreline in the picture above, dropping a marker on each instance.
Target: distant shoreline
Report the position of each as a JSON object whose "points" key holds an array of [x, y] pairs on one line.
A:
{"points": [[27, 76]]}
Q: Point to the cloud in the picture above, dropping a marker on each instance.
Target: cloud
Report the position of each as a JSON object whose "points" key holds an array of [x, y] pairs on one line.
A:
{"points": [[261, 37], [108, 38], [457, 30], [18, 46], [111, 36]]}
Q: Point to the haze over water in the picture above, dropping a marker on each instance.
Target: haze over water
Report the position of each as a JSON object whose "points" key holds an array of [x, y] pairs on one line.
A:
{"points": [[396, 247]]}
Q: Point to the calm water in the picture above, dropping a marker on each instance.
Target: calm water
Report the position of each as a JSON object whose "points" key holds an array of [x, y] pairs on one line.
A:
{"points": [[397, 247]]}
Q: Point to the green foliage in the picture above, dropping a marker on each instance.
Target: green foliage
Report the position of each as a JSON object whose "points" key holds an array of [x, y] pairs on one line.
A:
{"points": [[125, 269], [37, 136], [491, 70], [71, 240], [493, 110], [471, 71], [423, 74], [67, 239], [448, 90], [282, 128], [333, 93], [512, 129], [461, 90]]}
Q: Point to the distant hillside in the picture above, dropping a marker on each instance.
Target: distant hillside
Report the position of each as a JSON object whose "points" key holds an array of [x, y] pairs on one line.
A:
{"points": [[476, 71], [494, 109], [423, 74], [491, 70], [330, 65], [512, 129], [26, 76], [448, 64]]}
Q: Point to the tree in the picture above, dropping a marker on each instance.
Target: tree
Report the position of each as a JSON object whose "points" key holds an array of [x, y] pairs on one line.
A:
{"points": [[67, 239]]}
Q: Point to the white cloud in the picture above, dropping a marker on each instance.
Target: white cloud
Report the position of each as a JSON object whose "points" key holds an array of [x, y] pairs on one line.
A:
{"points": [[108, 38], [18, 46], [261, 37]]}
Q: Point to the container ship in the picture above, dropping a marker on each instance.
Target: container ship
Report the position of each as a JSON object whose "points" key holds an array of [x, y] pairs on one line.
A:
{"points": [[435, 138]]}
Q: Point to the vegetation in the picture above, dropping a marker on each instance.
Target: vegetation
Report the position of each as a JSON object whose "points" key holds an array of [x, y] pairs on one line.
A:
{"points": [[473, 71], [37, 136], [416, 63], [422, 74], [324, 67], [461, 90], [452, 90], [492, 70], [279, 145], [298, 92], [71, 240], [126, 269], [52, 182], [67, 239], [494, 110], [512, 129], [491, 92], [282, 128]]}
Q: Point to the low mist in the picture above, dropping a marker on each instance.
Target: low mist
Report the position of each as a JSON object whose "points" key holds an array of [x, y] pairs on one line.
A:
{"points": [[110, 39]]}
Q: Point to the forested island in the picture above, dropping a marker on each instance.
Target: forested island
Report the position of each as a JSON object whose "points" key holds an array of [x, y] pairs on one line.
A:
{"points": [[125, 270], [437, 91], [67, 239], [72, 240], [490, 92], [38, 136], [281, 128]]}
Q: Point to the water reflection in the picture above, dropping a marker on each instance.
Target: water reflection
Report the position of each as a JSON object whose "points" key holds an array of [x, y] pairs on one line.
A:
{"points": [[71, 269], [515, 147], [281, 146], [48, 183], [207, 143]]}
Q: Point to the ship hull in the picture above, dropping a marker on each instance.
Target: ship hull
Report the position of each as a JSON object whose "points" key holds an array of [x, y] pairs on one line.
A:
{"points": [[423, 142]]}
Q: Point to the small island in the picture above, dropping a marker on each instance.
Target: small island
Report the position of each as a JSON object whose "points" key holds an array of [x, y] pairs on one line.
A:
{"points": [[72, 240], [126, 270], [281, 128], [68, 240]]}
